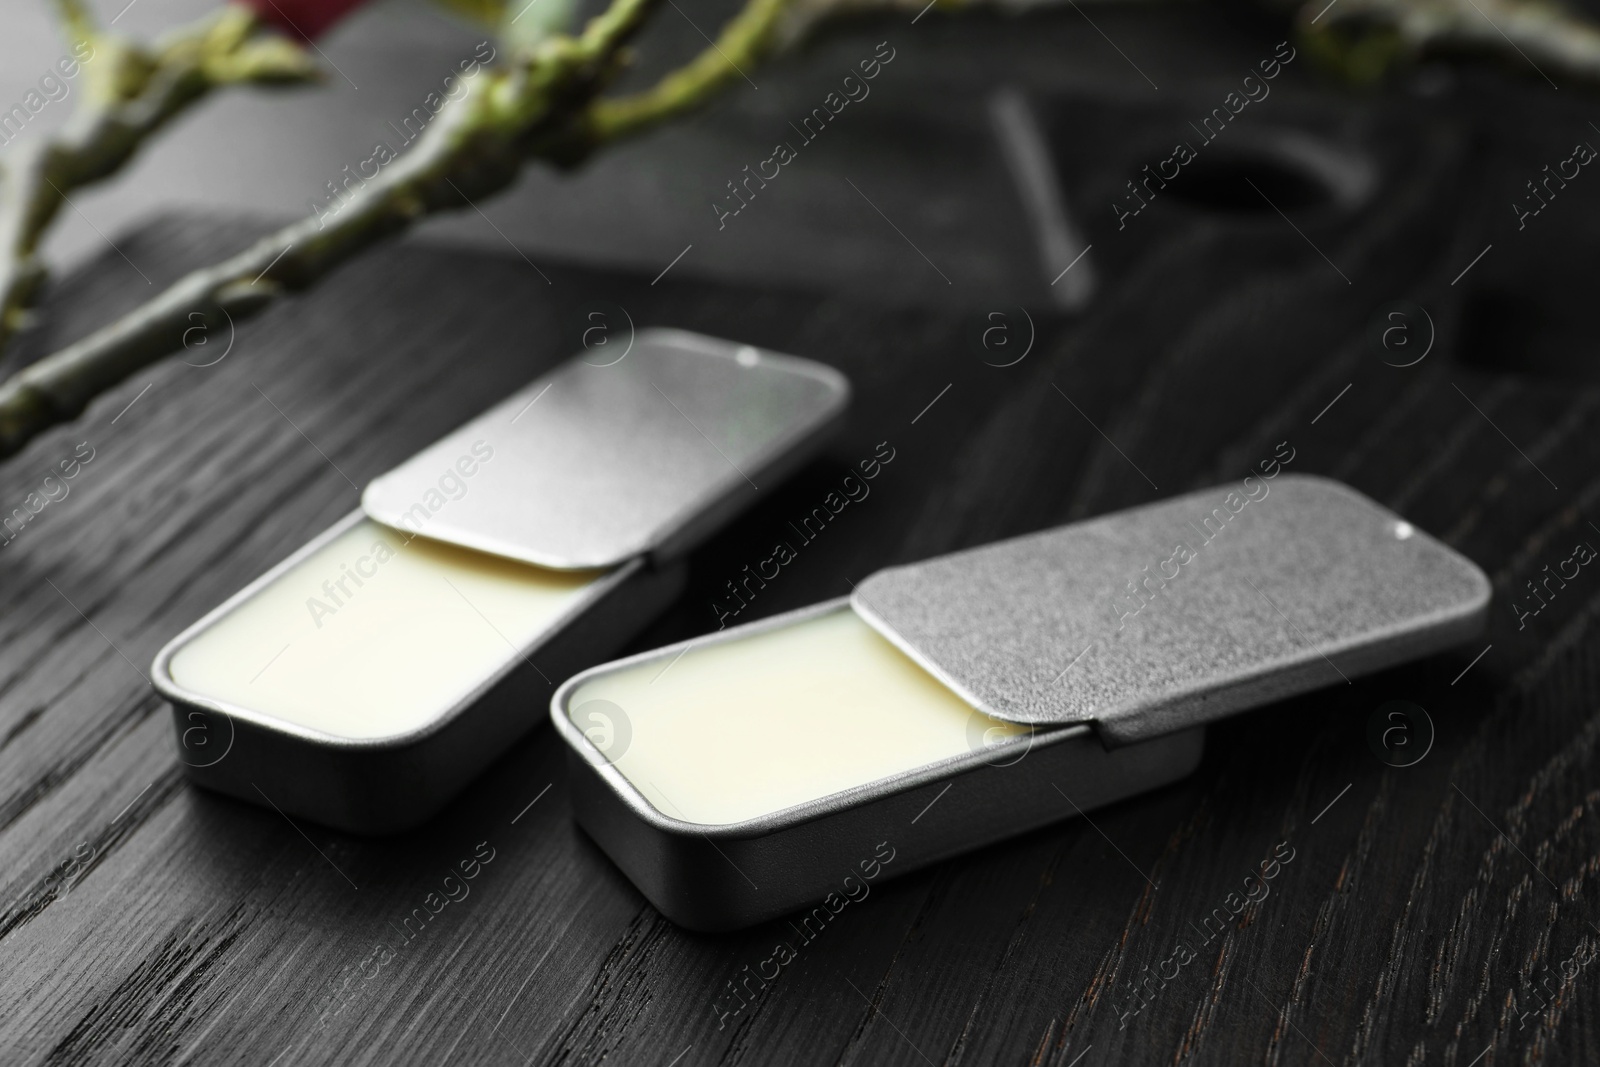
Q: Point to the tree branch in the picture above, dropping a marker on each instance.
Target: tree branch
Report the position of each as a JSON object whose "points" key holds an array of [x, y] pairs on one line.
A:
{"points": [[1364, 39], [743, 42], [546, 105], [473, 147], [131, 93], [762, 29]]}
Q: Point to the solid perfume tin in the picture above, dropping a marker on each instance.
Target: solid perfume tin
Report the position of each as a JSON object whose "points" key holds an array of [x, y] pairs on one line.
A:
{"points": [[955, 702], [366, 679]]}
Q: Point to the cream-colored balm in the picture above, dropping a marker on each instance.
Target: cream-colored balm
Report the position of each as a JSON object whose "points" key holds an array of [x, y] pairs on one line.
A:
{"points": [[745, 727], [375, 633]]}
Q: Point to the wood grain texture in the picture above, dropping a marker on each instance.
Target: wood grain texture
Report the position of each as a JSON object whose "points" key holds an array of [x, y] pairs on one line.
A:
{"points": [[1423, 918]]}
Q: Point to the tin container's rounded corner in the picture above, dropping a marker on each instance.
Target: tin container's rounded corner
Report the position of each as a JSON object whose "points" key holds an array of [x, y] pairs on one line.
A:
{"points": [[1476, 610], [559, 717], [1189, 747], [161, 679], [840, 391]]}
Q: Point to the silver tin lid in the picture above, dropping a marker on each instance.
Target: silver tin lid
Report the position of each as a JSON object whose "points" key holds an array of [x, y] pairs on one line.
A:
{"points": [[1244, 601], [594, 464]]}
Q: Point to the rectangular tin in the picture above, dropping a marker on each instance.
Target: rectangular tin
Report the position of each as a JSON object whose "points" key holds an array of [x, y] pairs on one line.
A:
{"points": [[1004, 627], [388, 784], [725, 877]]}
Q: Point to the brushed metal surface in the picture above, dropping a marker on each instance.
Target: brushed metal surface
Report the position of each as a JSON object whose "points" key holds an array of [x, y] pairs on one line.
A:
{"points": [[596, 464], [1307, 586]]}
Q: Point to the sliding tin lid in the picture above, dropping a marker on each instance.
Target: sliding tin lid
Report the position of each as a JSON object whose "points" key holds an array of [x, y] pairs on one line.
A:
{"points": [[1247, 601], [594, 464]]}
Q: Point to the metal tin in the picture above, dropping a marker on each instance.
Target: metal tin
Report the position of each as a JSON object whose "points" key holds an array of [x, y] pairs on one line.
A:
{"points": [[390, 783], [724, 877], [1108, 621], [1000, 626], [642, 456]]}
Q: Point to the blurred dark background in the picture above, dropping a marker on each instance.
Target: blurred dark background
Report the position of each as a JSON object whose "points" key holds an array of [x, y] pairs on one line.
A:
{"points": [[939, 152]]}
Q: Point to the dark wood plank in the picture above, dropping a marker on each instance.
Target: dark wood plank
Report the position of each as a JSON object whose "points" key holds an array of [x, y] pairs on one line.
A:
{"points": [[142, 921]]}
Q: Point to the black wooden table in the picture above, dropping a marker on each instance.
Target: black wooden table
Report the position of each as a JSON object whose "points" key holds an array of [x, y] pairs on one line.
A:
{"points": [[1440, 913]]}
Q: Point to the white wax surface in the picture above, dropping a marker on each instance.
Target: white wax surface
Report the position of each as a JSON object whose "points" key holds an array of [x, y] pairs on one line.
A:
{"points": [[384, 657], [746, 727]]}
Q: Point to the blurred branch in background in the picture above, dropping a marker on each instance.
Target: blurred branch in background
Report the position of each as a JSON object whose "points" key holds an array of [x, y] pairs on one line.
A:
{"points": [[131, 92], [1364, 40], [541, 100]]}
